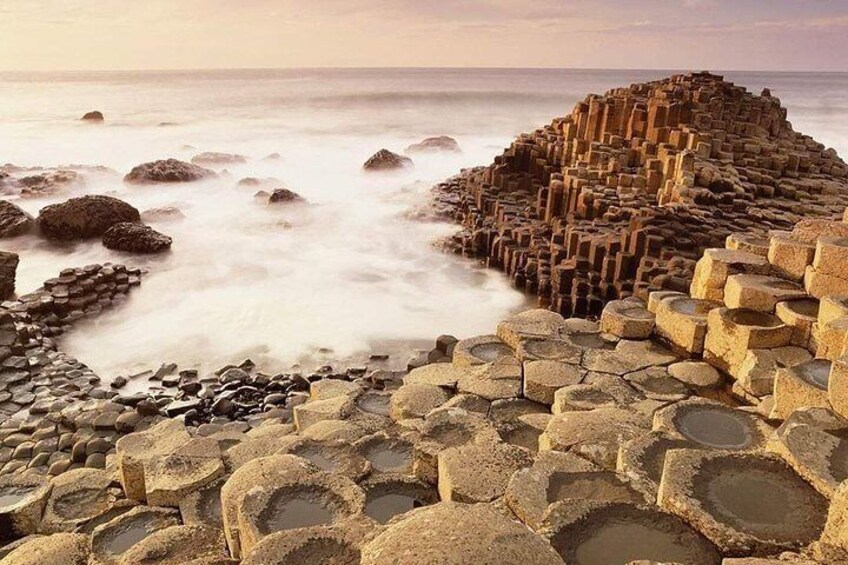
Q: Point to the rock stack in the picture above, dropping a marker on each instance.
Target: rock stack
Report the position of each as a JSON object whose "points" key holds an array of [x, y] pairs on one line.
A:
{"points": [[621, 197]]}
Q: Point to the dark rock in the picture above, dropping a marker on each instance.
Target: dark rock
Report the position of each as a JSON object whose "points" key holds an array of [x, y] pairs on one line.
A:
{"points": [[13, 220], [223, 407], [167, 170], [284, 195], [87, 216], [147, 407], [435, 145], [385, 160], [178, 407], [8, 269], [135, 238], [94, 116], [119, 382]]}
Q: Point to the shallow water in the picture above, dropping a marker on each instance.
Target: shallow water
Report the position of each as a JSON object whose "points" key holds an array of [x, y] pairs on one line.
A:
{"points": [[353, 272]]}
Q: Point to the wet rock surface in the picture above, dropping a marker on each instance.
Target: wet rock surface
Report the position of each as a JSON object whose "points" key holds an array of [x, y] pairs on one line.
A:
{"points": [[84, 217]]}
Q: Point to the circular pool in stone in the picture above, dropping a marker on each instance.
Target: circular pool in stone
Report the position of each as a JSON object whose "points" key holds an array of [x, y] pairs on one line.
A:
{"points": [[82, 504], [388, 455], [374, 403], [590, 341], [691, 306], [716, 426], [761, 497], [552, 349], [488, 352], [618, 533], [11, 496], [753, 318], [288, 509], [804, 307]]}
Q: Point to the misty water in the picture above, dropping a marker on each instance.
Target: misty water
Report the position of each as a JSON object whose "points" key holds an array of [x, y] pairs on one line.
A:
{"points": [[350, 273]]}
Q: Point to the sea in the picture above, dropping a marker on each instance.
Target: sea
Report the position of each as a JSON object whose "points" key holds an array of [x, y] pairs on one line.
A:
{"points": [[352, 273]]}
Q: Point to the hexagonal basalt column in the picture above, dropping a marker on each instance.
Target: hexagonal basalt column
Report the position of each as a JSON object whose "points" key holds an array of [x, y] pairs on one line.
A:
{"points": [[712, 425], [77, 497], [389, 496], [557, 476], [800, 315], [598, 533], [317, 544], [716, 265], [641, 459], [135, 449], [759, 292], [477, 534], [178, 545], [804, 384], [595, 434], [731, 333], [682, 322], [789, 257], [321, 499], [110, 541], [532, 324], [480, 471], [543, 378], [837, 386], [479, 350], [627, 319], [22, 500], [745, 503], [169, 478], [814, 441]]}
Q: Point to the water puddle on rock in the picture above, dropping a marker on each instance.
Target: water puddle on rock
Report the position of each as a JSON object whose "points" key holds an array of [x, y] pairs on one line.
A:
{"points": [[85, 503], [118, 542], [374, 403], [10, 496], [384, 507], [591, 486], [296, 513], [715, 428], [752, 497], [210, 505], [319, 458], [488, 352], [618, 543], [815, 372], [390, 458]]}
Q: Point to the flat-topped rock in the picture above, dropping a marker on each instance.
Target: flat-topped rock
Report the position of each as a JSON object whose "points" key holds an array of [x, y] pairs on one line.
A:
{"points": [[627, 319], [77, 496], [177, 545], [543, 378], [414, 400], [56, 549], [112, 540], [479, 471], [478, 534], [712, 425], [22, 500], [136, 449], [169, 477], [479, 350]]}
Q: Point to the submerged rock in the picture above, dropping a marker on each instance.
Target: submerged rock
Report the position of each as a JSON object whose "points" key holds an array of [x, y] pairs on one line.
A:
{"points": [[135, 238], [163, 214], [385, 160], [84, 217], [167, 170], [283, 196], [13, 220], [435, 145], [212, 158]]}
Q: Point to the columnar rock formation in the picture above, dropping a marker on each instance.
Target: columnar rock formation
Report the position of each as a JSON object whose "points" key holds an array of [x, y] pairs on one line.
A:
{"points": [[622, 196]]}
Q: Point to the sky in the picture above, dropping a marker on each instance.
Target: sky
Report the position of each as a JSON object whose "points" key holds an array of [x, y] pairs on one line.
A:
{"points": [[645, 34]]}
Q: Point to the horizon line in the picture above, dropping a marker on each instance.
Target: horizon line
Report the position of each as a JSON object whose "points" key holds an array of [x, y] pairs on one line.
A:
{"points": [[433, 67]]}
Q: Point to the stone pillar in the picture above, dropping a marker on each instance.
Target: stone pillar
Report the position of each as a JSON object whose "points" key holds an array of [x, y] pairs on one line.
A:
{"points": [[8, 266]]}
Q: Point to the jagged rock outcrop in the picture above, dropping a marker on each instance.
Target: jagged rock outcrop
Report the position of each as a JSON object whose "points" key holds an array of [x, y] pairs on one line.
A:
{"points": [[385, 160], [620, 197], [167, 170], [84, 217], [135, 238], [13, 220]]}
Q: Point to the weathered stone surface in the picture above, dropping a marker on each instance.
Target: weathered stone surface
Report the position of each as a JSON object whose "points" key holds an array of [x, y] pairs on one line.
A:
{"points": [[627, 319], [84, 217], [168, 170], [478, 534], [135, 238], [57, 549], [416, 400], [814, 441], [804, 385], [543, 378], [170, 477], [177, 545], [22, 500], [732, 332], [480, 471], [479, 350], [712, 425], [112, 540], [76, 497], [318, 544], [336, 408], [136, 449]]}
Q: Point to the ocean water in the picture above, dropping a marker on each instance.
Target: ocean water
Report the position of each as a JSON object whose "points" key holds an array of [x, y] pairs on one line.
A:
{"points": [[351, 272]]}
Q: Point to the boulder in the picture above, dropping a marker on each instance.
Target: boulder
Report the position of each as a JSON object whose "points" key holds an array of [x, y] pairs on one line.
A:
{"points": [[94, 116], [135, 238], [385, 160], [84, 217], [167, 170], [284, 196], [13, 220], [435, 145]]}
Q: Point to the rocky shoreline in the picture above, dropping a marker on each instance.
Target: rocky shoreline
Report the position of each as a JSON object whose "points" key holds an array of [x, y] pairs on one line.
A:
{"points": [[685, 402]]}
